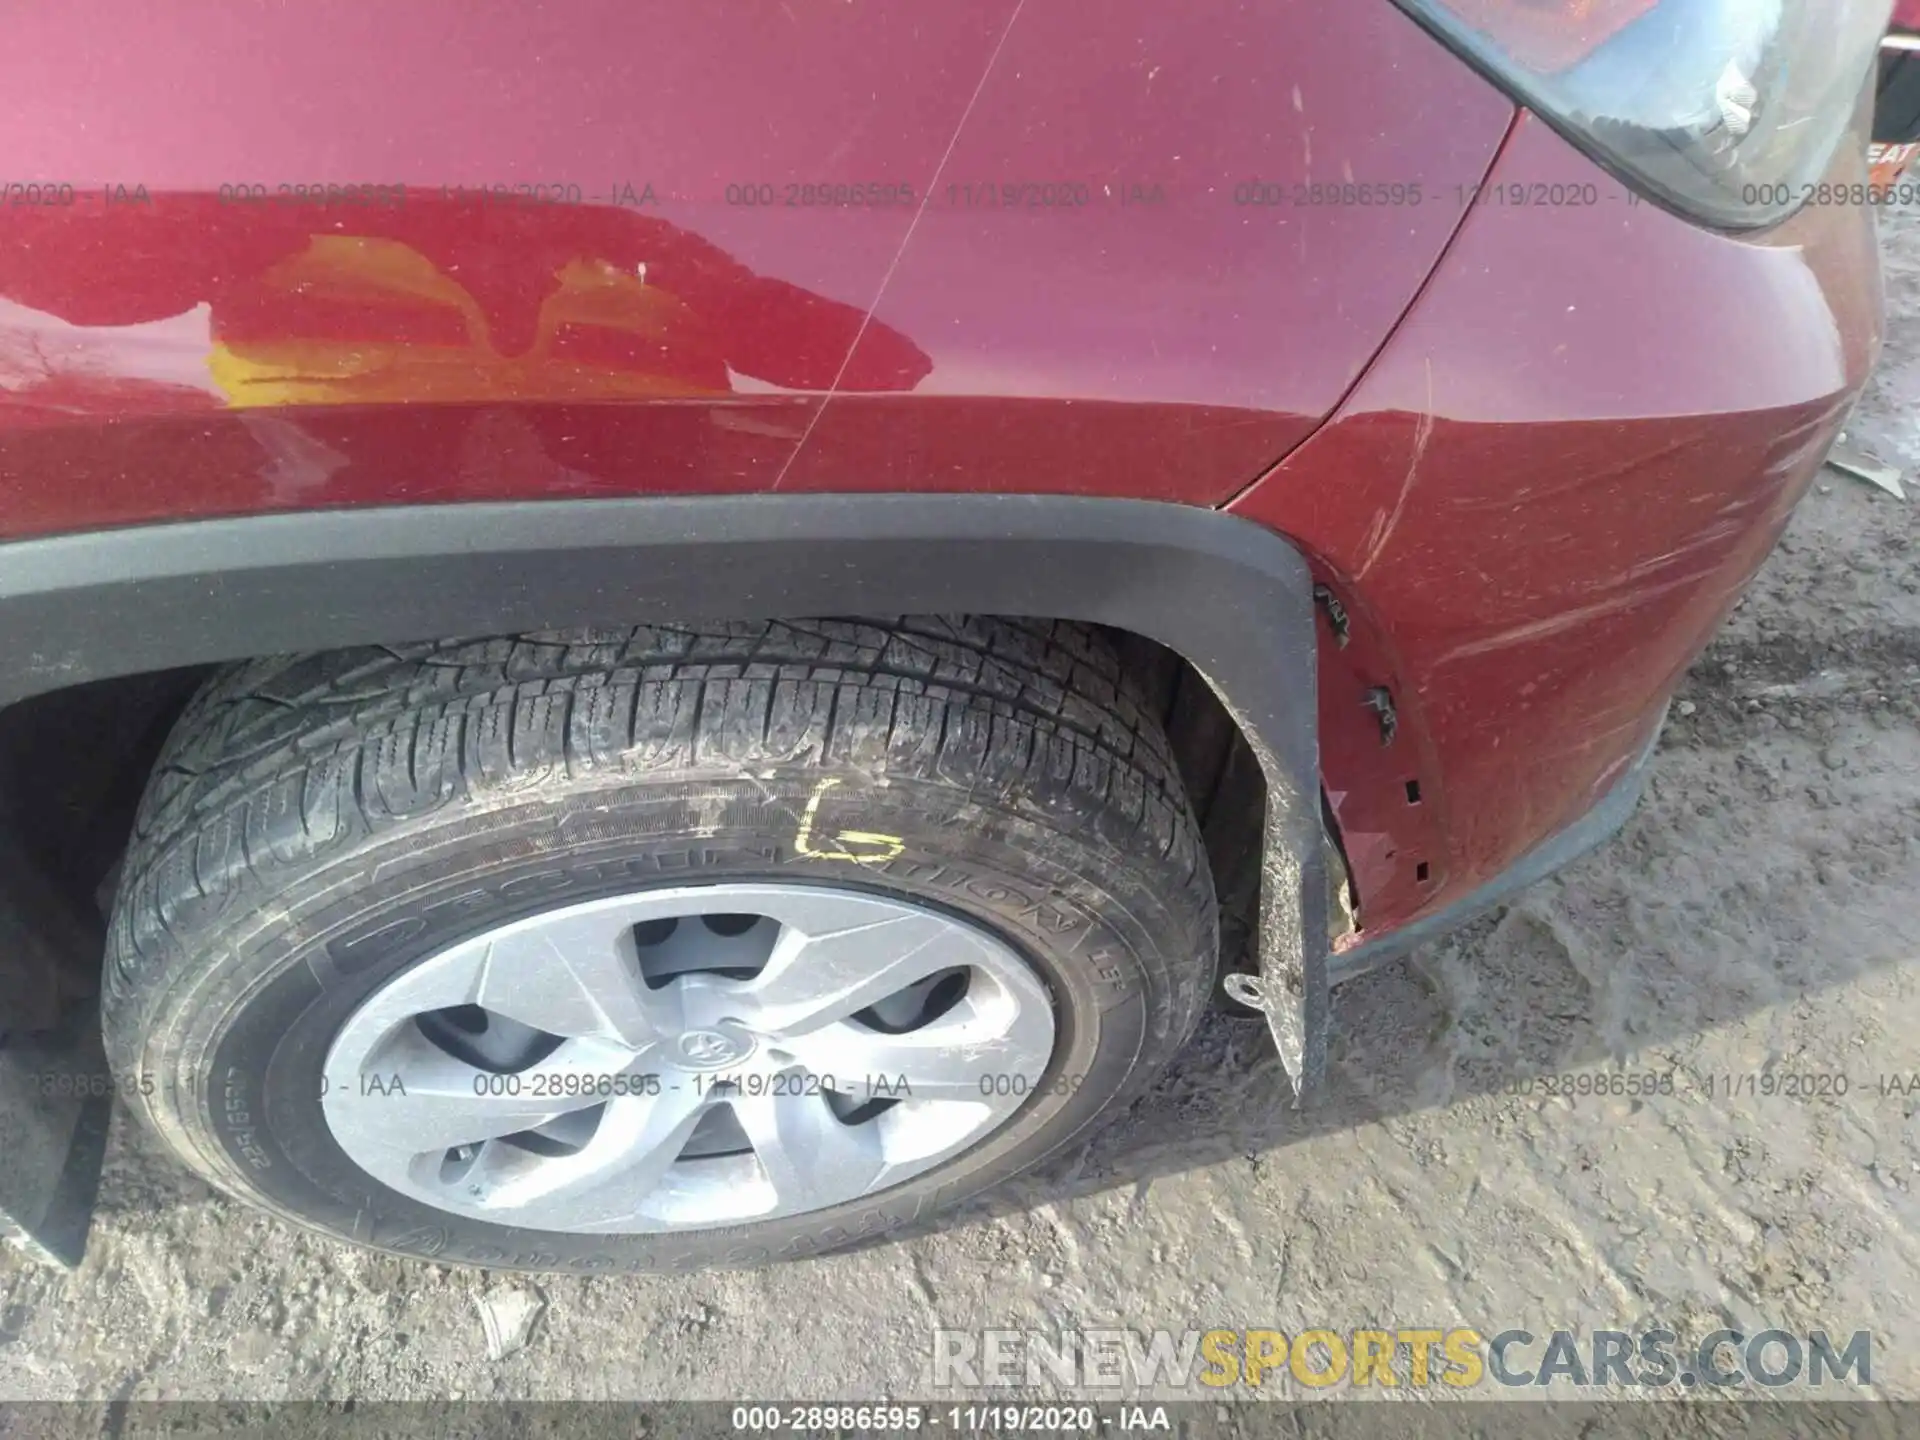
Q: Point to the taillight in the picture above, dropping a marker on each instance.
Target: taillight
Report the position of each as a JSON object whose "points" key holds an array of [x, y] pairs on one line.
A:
{"points": [[1725, 110]]}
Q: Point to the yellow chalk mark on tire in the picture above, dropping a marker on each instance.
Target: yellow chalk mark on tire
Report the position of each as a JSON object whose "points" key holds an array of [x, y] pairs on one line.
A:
{"points": [[883, 847]]}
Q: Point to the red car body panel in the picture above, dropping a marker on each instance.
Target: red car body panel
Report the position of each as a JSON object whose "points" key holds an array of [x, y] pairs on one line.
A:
{"points": [[1535, 503], [1156, 339], [1547, 493]]}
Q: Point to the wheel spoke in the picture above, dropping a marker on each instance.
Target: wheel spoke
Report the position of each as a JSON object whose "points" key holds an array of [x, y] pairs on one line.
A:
{"points": [[418, 1099], [813, 980], [982, 1048], [809, 1158], [865, 1063], [571, 979], [609, 1179]]}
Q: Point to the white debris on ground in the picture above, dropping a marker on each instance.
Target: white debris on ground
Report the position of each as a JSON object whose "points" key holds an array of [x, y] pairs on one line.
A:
{"points": [[507, 1316]]}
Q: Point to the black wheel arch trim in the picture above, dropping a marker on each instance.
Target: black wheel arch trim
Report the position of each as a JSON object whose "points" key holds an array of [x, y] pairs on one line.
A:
{"points": [[1230, 597]]}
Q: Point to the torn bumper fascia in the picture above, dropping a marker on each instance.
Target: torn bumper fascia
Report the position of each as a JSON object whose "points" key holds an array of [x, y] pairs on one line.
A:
{"points": [[1294, 986], [1594, 828]]}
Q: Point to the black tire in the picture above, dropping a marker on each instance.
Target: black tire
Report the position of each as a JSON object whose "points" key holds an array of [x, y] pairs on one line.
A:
{"points": [[318, 823]]}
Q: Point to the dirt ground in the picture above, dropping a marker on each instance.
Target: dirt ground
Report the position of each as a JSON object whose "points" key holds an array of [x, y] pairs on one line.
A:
{"points": [[1760, 912]]}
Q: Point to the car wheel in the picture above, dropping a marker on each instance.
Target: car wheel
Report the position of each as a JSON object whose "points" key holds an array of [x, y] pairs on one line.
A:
{"points": [[655, 949]]}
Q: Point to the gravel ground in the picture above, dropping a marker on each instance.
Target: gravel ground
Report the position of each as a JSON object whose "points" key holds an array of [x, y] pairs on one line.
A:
{"points": [[1759, 912]]}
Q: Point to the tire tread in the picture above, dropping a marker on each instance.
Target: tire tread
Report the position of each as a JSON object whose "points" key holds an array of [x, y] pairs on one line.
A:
{"points": [[279, 762]]}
